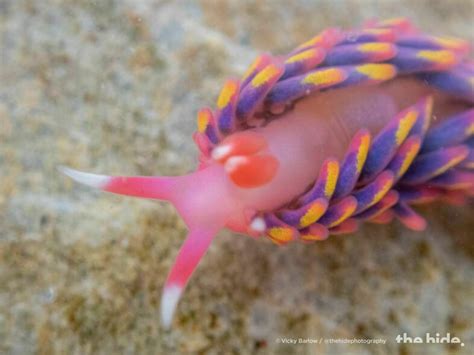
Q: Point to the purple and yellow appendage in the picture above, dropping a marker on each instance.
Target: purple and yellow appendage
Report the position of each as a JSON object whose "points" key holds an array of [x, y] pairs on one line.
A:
{"points": [[326, 39], [410, 60], [348, 226], [409, 217], [454, 179], [360, 53], [254, 92], [279, 231], [315, 232], [306, 215], [458, 81], [325, 184], [374, 191], [226, 106], [454, 131], [434, 43], [257, 66], [303, 85], [302, 62], [339, 212], [433, 164], [419, 195], [388, 201], [387, 142], [329, 78], [404, 156], [353, 163]]}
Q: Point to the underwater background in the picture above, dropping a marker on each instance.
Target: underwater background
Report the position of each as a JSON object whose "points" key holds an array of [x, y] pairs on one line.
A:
{"points": [[114, 87]]}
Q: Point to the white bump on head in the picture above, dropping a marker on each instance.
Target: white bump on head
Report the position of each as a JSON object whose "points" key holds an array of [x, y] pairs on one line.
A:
{"points": [[169, 300], [94, 180], [234, 162], [220, 151], [258, 225]]}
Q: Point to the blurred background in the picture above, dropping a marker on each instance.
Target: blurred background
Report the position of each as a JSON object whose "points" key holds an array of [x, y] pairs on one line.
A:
{"points": [[113, 86]]}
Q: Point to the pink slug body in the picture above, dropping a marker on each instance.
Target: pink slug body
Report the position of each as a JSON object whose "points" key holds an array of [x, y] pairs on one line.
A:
{"points": [[313, 143]]}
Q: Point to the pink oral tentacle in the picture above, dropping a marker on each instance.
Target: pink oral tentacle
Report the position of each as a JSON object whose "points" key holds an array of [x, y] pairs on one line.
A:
{"points": [[152, 187], [191, 252], [155, 187]]}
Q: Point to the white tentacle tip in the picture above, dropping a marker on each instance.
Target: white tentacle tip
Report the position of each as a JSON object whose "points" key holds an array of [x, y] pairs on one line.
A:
{"points": [[93, 180], [169, 300], [221, 151], [258, 225]]}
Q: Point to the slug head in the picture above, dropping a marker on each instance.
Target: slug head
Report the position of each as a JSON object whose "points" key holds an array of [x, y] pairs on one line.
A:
{"points": [[207, 200]]}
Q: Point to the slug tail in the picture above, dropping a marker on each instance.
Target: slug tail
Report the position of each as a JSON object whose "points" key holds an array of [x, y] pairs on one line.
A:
{"points": [[152, 187], [191, 252]]}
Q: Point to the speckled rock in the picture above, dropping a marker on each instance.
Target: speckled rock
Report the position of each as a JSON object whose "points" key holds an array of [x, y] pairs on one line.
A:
{"points": [[114, 86]]}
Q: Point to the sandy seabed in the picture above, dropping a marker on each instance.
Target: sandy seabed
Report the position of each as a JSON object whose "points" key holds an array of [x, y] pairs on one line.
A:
{"points": [[114, 87]]}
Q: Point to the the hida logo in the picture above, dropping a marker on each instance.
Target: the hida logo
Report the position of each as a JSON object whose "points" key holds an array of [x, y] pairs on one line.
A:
{"points": [[428, 339]]}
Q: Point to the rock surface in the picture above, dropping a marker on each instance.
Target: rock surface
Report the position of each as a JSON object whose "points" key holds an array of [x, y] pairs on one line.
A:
{"points": [[114, 86]]}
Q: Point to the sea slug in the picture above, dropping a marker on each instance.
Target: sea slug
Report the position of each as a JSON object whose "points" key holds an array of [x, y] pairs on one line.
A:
{"points": [[350, 126]]}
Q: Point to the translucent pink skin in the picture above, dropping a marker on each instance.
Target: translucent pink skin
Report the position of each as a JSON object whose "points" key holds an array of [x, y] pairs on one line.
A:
{"points": [[318, 127]]}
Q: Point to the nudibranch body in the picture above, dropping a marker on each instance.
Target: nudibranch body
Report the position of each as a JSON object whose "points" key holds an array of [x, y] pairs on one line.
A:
{"points": [[351, 126]]}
